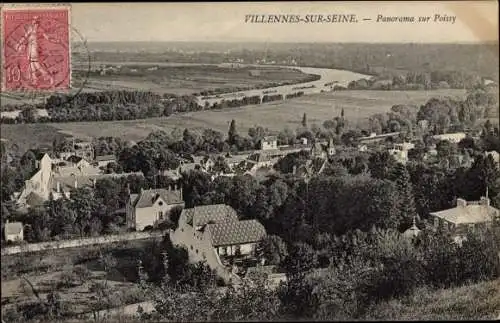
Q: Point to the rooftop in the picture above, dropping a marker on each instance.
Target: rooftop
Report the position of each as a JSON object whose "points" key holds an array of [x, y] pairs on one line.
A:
{"points": [[204, 214], [236, 232], [270, 138], [105, 158], [468, 213], [148, 197], [68, 181], [74, 159], [33, 199]]}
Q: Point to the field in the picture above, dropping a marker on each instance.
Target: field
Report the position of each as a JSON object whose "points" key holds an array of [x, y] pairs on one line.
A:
{"points": [[191, 79], [47, 271], [358, 105]]}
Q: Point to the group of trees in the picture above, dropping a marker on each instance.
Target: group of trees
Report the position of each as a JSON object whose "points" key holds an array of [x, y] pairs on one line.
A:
{"points": [[367, 269], [419, 81], [443, 113]]}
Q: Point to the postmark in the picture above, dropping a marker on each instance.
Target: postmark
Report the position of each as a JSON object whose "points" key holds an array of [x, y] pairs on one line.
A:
{"points": [[36, 49]]}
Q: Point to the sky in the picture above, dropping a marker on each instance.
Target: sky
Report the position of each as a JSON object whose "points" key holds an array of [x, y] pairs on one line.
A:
{"points": [[476, 21]]}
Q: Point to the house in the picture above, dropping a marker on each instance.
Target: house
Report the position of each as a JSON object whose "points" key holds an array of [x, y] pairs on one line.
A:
{"points": [[152, 207], [198, 216], [103, 161], [373, 137], [235, 160], [39, 183], [13, 231], [322, 150], [214, 234], [400, 151], [466, 216], [62, 185], [77, 161], [82, 149], [235, 238], [451, 137], [207, 163], [494, 154], [362, 148], [269, 143]]}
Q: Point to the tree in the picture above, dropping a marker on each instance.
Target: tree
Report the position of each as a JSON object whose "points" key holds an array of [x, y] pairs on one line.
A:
{"points": [[406, 197], [273, 249], [301, 258], [232, 133], [84, 205], [446, 149], [381, 164], [304, 120]]}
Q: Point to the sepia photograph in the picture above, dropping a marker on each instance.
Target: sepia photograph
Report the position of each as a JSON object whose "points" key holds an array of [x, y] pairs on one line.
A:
{"points": [[249, 161]]}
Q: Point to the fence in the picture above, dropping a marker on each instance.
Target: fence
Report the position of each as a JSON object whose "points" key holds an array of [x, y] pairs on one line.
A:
{"points": [[32, 247]]}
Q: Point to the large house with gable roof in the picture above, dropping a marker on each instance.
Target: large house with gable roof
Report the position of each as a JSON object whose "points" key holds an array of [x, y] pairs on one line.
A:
{"points": [[213, 233], [152, 207], [466, 216]]}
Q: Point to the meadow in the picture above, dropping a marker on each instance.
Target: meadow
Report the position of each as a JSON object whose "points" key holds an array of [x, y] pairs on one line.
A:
{"points": [[52, 271], [184, 80], [358, 106]]}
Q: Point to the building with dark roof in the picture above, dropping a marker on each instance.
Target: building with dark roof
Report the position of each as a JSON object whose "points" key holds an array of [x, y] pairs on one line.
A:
{"points": [[199, 216], [152, 207], [235, 237], [104, 160], [213, 233], [466, 216]]}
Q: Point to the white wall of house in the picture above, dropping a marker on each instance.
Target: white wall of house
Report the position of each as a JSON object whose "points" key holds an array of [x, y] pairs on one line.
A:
{"points": [[245, 249], [39, 183], [104, 163], [153, 215], [269, 144], [14, 237]]}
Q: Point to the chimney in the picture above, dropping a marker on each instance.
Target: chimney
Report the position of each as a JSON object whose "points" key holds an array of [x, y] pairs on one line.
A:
{"points": [[461, 202], [484, 201], [76, 183], [58, 187]]}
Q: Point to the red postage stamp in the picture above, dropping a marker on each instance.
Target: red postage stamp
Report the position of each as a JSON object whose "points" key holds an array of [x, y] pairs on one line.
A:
{"points": [[36, 49]]}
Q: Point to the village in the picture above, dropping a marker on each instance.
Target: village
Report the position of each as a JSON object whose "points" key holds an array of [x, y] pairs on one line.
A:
{"points": [[214, 233]]}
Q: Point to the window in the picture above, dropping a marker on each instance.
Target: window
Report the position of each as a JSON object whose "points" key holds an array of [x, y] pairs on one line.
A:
{"points": [[160, 203], [160, 214]]}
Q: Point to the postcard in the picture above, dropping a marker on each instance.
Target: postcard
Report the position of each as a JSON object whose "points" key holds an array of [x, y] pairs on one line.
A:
{"points": [[250, 161]]}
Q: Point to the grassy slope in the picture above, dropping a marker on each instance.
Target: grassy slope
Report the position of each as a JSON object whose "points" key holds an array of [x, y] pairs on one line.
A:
{"points": [[472, 302]]}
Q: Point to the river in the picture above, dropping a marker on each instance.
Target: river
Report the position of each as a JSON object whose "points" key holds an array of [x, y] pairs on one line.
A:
{"points": [[328, 75]]}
